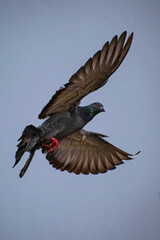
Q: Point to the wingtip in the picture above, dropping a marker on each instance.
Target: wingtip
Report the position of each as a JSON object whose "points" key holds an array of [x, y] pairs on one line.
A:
{"points": [[130, 36], [132, 155], [115, 37], [16, 162], [14, 165], [137, 153], [124, 33], [21, 173]]}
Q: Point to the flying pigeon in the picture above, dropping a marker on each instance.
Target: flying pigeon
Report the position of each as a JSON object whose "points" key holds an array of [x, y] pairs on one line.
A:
{"points": [[68, 146]]}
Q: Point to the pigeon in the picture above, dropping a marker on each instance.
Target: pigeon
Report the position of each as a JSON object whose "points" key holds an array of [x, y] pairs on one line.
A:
{"points": [[62, 136]]}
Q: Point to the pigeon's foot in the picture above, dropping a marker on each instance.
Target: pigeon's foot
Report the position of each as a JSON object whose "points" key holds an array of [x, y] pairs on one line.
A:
{"points": [[50, 147]]}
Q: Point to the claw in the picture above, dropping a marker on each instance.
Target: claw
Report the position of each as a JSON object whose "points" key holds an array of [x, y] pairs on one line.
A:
{"points": [[55, 142], [48, 147]]}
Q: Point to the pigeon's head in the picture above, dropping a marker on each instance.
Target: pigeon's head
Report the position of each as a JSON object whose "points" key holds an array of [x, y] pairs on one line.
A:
{"points": [[92, 110], [96, 107]]}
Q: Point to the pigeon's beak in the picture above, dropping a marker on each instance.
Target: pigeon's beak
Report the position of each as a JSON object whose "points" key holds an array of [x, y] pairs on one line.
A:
{"points": [[102, 109]]}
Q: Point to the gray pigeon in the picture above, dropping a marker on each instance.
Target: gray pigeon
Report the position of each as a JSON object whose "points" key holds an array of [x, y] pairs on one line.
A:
{"points": [[68, 146]]}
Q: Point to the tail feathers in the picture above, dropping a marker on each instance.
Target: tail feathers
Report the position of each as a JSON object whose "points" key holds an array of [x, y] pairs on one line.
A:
{"points": [[19, 154], [27, 135], [28, 141], [24, 169]]}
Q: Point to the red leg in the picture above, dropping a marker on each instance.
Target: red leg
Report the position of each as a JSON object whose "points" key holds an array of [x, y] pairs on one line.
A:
{"points": [[49, 146], [55, 142]]}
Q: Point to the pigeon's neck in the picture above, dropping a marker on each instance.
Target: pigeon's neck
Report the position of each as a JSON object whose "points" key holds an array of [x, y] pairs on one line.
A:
{"points": [[86, 113]]}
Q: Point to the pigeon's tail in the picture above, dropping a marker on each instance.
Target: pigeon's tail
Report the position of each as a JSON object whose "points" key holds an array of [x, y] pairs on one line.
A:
{"points": [[29, 140]]}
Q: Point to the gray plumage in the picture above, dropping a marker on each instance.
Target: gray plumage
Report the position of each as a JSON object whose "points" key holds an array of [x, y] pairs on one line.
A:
{"points": [[79, 151]]}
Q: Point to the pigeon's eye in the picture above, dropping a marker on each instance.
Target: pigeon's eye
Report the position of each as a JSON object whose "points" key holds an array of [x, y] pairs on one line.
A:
{"points": [[96, 104]]}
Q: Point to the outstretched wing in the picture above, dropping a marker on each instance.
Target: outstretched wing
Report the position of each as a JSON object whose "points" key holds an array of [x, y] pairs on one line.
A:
{"points": [[86, 152], [93, 75]]}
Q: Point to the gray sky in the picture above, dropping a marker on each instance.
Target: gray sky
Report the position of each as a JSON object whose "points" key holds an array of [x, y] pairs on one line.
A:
{"points": [[42, 43]]}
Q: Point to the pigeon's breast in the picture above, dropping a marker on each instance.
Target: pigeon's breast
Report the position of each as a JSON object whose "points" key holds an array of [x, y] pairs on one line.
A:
{"points": [[61, 125]]}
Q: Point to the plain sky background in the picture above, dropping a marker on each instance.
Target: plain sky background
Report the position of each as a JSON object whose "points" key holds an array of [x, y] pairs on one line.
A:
{"points": [[42, 43]]}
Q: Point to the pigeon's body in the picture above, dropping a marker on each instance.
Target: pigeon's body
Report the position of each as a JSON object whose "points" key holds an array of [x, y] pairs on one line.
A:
{"points": [[61, 125], [79, 151]]}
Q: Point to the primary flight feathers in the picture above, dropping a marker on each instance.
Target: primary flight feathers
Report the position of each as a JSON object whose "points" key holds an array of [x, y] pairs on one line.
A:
{"points": [[86, 152], [93, 75]]}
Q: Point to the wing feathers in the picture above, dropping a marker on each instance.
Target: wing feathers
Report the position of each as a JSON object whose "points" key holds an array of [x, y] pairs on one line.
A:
{"points": [[111, 50], [95, 61], [104, 53], [86, 152], [101, 166], [119, 46], [93, 75], [122, 55]]}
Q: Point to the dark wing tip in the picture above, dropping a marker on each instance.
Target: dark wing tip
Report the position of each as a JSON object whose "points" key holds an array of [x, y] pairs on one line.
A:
{"points": [[21, 173], [132, 34], [131, 156], [14, 165], [137, 153], [124, 33]]}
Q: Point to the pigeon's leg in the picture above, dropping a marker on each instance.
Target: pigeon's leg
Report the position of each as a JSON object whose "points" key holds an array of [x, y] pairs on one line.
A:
{"points": [[49, 147]]}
